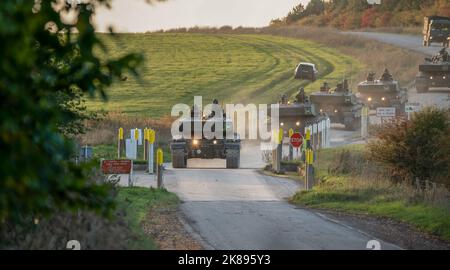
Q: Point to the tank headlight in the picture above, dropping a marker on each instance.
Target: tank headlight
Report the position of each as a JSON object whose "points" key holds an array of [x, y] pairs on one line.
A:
{"points": [[298, 123], [431, 77], [444, 77], [335, 111], [214, 142], [383, 98], [321, 110], [281, 124], [289, 103], [195, 142], [369, 99]]}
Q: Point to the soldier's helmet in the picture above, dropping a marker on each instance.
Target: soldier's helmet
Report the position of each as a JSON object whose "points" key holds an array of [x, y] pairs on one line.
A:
{"points": [[215, 101]]}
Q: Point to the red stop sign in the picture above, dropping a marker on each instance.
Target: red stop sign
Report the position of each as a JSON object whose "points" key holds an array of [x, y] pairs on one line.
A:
{"points": [[296, 140]]}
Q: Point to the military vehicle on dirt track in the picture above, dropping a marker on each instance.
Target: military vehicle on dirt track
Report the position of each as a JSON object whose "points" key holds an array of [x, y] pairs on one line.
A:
{"points": [[298, 114], [340, 104], [385, 92], [435, 72], [436, 29], [203, 147]]}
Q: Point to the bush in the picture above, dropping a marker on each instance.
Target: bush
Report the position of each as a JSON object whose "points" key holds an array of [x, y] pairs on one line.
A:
{"points": [[48, 63], [417, 149]]}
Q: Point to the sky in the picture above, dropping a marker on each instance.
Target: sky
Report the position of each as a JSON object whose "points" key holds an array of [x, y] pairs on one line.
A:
{"points": [[139, 16]]}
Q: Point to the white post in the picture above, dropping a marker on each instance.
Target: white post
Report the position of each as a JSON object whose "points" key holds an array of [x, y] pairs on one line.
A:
{"points": [[150, 158]]}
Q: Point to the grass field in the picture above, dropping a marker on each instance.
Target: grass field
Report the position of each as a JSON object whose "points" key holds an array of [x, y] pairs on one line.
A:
{"points": [[232, 68]]}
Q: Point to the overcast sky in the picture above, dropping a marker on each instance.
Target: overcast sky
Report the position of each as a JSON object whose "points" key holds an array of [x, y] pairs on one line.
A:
{"points": [[138, 16]]}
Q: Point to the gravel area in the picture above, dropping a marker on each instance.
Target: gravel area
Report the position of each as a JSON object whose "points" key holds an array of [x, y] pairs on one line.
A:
{"points": [[401, 234], [167, 230]]}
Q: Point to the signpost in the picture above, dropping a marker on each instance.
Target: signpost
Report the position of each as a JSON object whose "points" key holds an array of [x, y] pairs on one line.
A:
{"points": [[385, 112], [296, 140], [291, 149], [277, 137], [412, 108], [131, 148], [118, 166], [364, 122]]}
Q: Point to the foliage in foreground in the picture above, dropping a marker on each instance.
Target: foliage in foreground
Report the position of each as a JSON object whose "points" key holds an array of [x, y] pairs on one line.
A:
{"points": [[94, 232], [44, 67]]}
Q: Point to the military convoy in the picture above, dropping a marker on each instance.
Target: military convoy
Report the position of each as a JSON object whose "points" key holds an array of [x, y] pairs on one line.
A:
{"points": [[435, 72], [384, 92], [203, 147], [340, 104]]}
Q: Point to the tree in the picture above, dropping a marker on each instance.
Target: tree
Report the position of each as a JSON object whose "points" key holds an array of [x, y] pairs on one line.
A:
{"points": [[416, 149], [295, 14], [47, 65], [368, 18]]}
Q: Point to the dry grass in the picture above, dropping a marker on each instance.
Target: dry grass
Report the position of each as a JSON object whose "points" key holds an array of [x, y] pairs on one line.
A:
{"points": [[352, 171], [105, 131]]}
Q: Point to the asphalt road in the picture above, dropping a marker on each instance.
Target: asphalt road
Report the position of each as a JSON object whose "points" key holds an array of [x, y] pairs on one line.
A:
{"points": [[244, 209], [410, 42]]}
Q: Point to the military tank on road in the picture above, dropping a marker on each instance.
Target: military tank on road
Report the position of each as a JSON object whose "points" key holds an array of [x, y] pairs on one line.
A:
{"points": [[340, 104], [384, 92], [191, 146], [435, 72], [298, 114]]}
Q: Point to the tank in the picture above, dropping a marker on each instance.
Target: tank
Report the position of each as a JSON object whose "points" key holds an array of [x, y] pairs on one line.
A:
{"points": [[298, 114], [435, 72], [206, 148], [340, 104], [384, 92]]}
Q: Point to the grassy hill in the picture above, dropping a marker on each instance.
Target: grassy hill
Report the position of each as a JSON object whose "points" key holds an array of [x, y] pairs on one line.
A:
{"points": [[232, 68]]}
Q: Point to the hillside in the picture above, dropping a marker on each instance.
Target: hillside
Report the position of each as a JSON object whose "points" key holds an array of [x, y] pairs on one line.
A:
{"points": [[232, 68], [355, 14]]}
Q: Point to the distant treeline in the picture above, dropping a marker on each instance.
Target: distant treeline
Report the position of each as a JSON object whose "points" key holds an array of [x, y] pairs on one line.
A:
{"points": [[353, 14]]}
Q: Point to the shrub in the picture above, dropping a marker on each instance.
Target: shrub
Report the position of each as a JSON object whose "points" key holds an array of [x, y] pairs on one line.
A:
{"points": [[417, 149]]}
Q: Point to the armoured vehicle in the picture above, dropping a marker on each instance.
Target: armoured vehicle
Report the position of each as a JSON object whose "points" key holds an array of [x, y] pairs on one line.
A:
{"points": [[384, 92], [340, 104], [298, 114], [436, 29], [306, 71], [189, 146], [435, 72]]}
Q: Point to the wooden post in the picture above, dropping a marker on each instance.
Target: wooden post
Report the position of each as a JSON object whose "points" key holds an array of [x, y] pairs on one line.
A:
{"points": [[159, 167]]}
